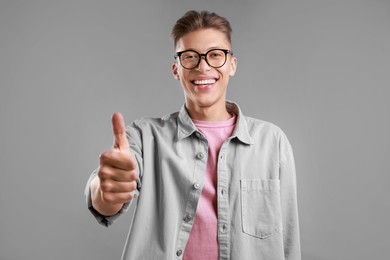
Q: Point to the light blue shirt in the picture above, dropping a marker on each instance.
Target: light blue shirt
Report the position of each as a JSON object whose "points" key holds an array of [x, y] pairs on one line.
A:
{"points": [[256, 191]]}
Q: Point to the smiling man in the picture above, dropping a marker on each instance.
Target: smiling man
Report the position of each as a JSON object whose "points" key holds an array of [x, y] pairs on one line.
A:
{"points": [[207, 182], [204, 78]]}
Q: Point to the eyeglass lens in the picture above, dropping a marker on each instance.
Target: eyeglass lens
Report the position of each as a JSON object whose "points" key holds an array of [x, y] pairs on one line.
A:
{"points": [[214, 58]]}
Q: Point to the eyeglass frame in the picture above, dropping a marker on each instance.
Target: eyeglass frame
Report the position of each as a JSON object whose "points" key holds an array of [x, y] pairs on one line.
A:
{"points": [[179, 53]]}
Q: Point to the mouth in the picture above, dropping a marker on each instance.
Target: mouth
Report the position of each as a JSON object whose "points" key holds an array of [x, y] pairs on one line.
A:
{"points": [[204, 84]]}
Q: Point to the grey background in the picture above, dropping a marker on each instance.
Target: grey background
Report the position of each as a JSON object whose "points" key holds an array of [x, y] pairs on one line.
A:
{"points": [[318, 69]]}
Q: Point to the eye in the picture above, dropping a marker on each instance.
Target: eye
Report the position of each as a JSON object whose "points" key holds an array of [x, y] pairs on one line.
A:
{"points": [[215, 54], [189, 55], [185, 57]]}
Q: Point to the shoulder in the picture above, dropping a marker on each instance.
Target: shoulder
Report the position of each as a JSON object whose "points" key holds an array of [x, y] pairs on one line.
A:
{"points": [[144, 123], [262, 127], [255, 127], [266, 134]]}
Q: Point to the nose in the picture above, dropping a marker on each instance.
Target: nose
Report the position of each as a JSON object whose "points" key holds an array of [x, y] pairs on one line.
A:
{"points": [[203, 65]]}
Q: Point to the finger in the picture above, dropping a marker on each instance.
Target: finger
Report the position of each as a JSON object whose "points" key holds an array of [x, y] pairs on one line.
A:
{"points": [[117, 187], [119, 131], [119, 160], [117, 198], [118, 175]]}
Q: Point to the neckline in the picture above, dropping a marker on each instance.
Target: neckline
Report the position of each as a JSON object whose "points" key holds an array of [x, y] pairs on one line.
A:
{"points": [[215, 124]]}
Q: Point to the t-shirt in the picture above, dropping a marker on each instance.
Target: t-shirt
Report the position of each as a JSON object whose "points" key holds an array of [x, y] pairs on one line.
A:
{"points": [[202, 243]]}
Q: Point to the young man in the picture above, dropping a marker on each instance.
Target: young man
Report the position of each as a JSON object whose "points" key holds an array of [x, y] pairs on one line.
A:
{"points": [[208, 182]]}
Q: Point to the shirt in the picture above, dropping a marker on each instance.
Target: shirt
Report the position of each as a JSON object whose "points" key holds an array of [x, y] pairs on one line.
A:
{"points": [[203, 242], [256, 189]]}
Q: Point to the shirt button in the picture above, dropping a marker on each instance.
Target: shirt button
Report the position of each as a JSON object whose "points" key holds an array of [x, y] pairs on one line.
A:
{"points": [[196, 186], [222, 192], [200, 156], [223, 228], [198, 134], [179, 252], [187, 218]]}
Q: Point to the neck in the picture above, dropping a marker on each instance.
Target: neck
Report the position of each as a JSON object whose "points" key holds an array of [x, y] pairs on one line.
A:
{"points": [[216, 112]]}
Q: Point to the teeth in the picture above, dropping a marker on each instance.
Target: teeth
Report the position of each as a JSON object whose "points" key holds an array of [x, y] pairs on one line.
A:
{"points": [[204, 82]]}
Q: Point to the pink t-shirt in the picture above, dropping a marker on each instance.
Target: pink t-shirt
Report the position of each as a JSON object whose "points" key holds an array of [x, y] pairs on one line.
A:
{"points": [[202, 243]]}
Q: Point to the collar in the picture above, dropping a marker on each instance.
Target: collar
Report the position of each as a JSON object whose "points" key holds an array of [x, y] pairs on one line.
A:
{"points": [[186, 127]]}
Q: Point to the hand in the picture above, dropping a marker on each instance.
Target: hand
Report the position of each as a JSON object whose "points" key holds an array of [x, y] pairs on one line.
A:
{"points": [[117, 172]]}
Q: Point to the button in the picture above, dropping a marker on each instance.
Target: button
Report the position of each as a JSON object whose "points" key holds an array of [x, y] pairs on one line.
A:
{"points": [[222, 192], [223, 228], [196, 186], [179, 252], [187, 218], [221, 156], [200, 156], [199, 135]]}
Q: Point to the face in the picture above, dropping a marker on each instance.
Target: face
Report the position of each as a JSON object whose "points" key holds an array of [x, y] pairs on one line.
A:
{"points": [[204, 86]]}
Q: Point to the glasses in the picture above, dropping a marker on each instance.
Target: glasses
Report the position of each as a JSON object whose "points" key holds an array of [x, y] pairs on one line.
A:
{"points": [[215, 58]]}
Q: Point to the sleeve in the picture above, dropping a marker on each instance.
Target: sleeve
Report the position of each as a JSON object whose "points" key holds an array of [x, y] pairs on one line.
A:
{"points": [[288, 197], [134, 138]]}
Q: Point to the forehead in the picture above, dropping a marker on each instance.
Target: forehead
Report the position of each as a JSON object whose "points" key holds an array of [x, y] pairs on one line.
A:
{"points": [[202, 40]]}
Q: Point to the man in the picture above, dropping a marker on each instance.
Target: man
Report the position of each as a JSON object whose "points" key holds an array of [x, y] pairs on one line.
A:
{"points": [[207, 182]]}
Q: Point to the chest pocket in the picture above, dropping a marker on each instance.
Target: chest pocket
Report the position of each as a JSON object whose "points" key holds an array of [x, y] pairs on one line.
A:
{"points": [[260, 207]]}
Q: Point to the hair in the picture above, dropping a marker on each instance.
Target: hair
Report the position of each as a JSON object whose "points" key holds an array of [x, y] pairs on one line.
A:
{"points": [[194, 20]]}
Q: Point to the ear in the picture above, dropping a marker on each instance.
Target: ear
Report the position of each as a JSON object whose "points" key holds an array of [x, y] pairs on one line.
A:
{"points": [[233, 65], [174, 71]]}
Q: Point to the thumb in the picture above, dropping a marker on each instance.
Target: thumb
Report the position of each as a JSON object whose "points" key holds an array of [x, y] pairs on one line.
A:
{"points": [[119, 131]]}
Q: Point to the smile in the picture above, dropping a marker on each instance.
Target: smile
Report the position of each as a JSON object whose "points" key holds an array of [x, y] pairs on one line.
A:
{"points": [[204, 82]]}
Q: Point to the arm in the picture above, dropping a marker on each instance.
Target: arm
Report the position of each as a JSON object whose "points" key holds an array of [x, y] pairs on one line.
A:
{"points": [[113, 184], [288, 196]]}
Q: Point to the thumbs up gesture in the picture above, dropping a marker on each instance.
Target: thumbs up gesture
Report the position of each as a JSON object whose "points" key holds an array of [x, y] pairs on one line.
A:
{"points": [[116, 178]]}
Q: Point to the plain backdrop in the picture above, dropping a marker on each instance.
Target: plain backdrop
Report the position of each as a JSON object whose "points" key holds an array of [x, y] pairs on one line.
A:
{"points": [[318, 69]]}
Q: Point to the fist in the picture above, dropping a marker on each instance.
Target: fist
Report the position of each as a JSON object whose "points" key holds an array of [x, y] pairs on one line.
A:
{"points": [[117, 172]]}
